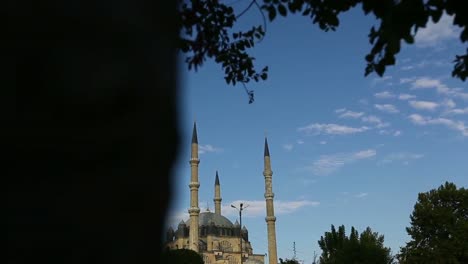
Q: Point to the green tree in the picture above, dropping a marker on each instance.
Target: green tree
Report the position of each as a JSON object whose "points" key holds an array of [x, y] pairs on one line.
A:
{"points": [[367, 248], [288, 261], [181, 256], [208, 30], [439, 227]]}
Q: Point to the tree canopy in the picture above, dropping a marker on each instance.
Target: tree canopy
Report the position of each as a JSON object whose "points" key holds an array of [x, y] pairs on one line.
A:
{"points": [[367, 248], [439, 227], [288, 261], [208, 31]]}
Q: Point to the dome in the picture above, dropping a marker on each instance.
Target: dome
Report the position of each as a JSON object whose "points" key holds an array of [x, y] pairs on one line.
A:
{"points": [[206, 218]]}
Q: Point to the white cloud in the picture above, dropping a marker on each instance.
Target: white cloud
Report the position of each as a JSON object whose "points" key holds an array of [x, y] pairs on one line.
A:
{"points": [[256, 208], [351, 114], [406, 96], [380, 79], [457, 111], [341, 110], [331, 129], [425, 83], [253, 208], [403, 157], [361, 195], [174, 217], [430, 83], [323, 142], [375, 120], [406, 80], [288, 147], [384, 95], [449, 103], [388, 108], [300, 142], [423, 105], [397, 133], [202, 149], [434, 34], [426, 63], [327, 164], [407, 68], [454, 125]]}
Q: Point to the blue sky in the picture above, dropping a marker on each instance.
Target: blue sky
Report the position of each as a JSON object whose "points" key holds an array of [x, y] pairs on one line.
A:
{"points": [[345, 149]]}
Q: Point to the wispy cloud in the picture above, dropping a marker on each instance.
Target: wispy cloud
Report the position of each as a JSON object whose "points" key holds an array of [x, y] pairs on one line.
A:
{"points": [[202, 149], [435, 33], [425, 63], [423, 105], [174, 217], [288, 147], [331, 129], [375, 120], [457, 111], [403, 157], [387, 108], [361, 195], [350, 114], [256, 208], [327, 164], [397, 133], [300, 142], [452, 124], [384, 95], [441, 88], [406, 96], [449, 103], [381, 79], [323, 142], [406, 80]]}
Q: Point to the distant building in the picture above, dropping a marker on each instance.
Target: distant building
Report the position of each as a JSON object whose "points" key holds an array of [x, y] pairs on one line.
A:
{"points": [[215, 237]]}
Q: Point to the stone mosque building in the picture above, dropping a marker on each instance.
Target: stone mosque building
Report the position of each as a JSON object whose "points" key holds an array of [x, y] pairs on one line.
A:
{"points": [[215, 237]]}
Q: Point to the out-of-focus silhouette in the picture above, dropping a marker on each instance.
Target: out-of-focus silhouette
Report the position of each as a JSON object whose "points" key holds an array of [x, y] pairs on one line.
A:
{"points": [[90, 129]]}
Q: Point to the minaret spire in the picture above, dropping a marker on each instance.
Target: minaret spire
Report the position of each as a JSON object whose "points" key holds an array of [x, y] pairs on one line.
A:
{"points": [[270, 212], [194, 210], [217, 198]]}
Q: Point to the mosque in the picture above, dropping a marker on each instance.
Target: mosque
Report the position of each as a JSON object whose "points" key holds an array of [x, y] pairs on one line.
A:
{"points": [[215, 237]]}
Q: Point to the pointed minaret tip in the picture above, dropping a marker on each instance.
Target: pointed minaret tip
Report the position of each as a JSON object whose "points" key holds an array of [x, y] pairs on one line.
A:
{"points": [[267, 151], [194, 134], [217, 179]]}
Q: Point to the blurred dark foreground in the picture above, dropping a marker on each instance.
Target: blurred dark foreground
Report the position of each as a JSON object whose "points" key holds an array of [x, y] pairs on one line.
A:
{"points": [[90, 129]]}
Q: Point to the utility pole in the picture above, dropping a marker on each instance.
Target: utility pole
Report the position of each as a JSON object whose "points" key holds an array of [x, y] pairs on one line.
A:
{"points": [[294, 250], [241, 207]]}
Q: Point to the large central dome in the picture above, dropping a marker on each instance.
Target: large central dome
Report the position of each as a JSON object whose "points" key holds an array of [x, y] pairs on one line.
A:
{"points": [[206, 218]]}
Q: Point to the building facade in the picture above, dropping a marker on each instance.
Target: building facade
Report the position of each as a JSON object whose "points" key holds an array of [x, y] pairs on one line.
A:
{"points": [[214, 236]]}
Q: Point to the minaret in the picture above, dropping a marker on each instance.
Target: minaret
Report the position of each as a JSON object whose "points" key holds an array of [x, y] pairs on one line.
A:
{"points": [[194, 210], [217, 198], [270, 212]]}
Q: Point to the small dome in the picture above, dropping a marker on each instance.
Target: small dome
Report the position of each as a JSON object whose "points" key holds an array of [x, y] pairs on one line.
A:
{"points": [[206, 218]]}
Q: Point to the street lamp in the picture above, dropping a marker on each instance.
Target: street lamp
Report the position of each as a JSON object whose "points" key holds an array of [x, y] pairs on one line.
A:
{"points": [[241, 207]]}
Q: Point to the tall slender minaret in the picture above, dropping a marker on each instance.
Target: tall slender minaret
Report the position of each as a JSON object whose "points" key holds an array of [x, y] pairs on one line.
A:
{"points": [[217, 198], [270, 218], [194, 210]]}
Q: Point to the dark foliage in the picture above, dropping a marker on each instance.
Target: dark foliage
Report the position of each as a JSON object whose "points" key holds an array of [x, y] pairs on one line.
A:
{"points": [[439, 227], [208, 30], [288, 261], [367, 248], [181, 256]]}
